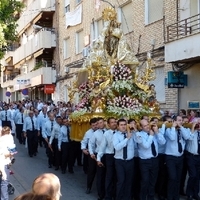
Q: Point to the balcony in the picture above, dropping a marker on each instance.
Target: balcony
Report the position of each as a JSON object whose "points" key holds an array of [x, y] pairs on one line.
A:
{"points": [[182, 40], [43, 39], [44, 75], [33, 11]]}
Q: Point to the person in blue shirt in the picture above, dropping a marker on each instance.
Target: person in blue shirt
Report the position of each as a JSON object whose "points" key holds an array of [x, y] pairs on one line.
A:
{"points": [[31, 131], [65, 147], [148, 139], [89, 164], [175, 145], [42, 119], [106, 149], [193, 162], [123, 143], [19, 121]]}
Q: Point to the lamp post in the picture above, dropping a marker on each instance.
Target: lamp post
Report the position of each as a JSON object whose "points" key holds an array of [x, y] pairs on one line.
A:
{"points": [[108, 3]]}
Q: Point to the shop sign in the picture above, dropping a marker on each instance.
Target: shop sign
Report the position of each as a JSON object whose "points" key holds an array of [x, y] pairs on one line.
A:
{"points": [[49, 89]]}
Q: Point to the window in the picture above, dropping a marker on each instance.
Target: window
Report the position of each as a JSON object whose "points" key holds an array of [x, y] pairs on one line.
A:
{"points": [[79, 42], [153, 10], [78, 1], [96, 28], [66, 48], [99, 27], [159, 83], [67, 6], [125, 16]]}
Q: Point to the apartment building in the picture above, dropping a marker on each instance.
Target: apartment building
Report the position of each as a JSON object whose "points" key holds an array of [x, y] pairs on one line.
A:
{"points": [[142, 23], [56, 36], [28, 66], [182, 49]]}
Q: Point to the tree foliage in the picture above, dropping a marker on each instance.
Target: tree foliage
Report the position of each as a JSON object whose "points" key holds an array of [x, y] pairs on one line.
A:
{"points": [[9, 9]]}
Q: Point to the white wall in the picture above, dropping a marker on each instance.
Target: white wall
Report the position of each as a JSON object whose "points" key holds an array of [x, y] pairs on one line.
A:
{"points": [[192, 91], [182, 49]]}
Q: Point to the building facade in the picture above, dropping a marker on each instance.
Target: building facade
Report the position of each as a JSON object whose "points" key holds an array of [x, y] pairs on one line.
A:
{"points": [[143, 25], [28, 67], [58, 35]]}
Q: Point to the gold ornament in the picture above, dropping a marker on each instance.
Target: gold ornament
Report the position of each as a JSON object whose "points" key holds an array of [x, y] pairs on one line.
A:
{"points": [[109, 14]]}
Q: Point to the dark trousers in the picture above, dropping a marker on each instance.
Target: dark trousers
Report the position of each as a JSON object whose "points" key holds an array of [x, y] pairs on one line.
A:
{"points": [[161, 184], [32, 142], [56, 152], [85, 163], [92, 167], [183, 174], [101, 175], [124, 171], [110, 183], [194, 172], [19, 133], [174, 169], [49, 153], [66, 157], [7, 123], [76, 152], [137, 179], [149, 174], [41, 139]]}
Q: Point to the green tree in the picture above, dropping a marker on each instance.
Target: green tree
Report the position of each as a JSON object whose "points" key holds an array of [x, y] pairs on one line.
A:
{"points": [[9, 10]]}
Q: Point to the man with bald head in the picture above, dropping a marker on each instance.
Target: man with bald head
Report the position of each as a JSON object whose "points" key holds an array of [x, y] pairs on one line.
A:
{"points": [[47, 184], [31, 131], [148, 139]]}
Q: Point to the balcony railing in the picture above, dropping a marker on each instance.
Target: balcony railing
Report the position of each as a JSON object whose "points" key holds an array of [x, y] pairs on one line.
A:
{"points": [[33, 10], [43, 39], [183, 28]]}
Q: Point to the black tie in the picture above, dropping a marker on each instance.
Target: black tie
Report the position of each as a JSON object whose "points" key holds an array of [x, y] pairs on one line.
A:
{"points": [[51, 125], [22, 118], [180, 149], [33, 128], [68, 134], [198, 142], [6, 116], [124, 149], [103, 131], [153, 149], [44, 116]]}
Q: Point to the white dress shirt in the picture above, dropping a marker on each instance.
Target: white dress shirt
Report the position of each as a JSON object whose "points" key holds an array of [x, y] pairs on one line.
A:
{"points": [[192, 143], [95, 141], [106, 146], [145, 141], [47, 128], [119, 142], [85, 140], [171, 140], [28, 126], [55, 132]]}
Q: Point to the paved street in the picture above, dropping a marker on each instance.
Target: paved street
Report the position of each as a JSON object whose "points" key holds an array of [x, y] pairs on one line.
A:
{"points": [[25, 169]]}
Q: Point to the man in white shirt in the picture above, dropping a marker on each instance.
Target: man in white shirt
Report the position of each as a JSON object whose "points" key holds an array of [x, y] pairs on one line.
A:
{"points": [[123, 143], [106, 149], [94, 145], [89, 164]]}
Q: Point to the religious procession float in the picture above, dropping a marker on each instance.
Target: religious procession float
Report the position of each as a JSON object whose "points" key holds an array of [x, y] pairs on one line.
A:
{"points": [[111, 81]]}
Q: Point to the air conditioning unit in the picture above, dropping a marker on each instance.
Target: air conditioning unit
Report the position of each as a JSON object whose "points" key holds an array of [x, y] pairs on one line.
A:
{"points": [[66, 69], [86, 51]]}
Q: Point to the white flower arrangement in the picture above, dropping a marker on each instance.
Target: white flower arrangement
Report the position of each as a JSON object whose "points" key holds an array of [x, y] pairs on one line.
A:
{"points": [[122, 84], [77, 113], [119, 111]]}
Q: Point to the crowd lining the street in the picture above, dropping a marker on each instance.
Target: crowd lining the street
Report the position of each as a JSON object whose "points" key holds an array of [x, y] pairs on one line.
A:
{"points": [[131, 160]]}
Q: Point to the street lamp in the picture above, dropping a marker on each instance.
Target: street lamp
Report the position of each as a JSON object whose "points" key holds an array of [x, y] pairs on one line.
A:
{"points": [[108, 3]]}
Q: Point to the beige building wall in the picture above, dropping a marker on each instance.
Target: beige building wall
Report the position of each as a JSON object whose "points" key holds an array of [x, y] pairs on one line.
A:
{"points": [[143, 37]]}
